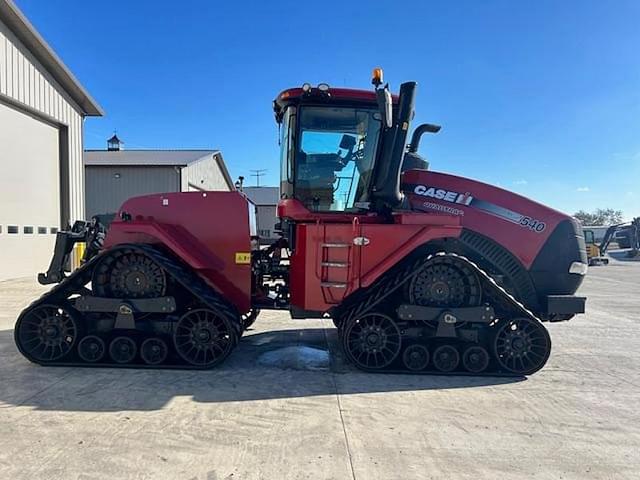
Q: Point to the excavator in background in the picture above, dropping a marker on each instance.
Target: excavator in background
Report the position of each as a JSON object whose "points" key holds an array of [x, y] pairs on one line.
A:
{"points": [[597, 252], [420, 271]]}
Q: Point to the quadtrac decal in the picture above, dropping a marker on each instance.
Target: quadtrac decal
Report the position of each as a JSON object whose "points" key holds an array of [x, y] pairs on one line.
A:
{"points": [[468, 200]]}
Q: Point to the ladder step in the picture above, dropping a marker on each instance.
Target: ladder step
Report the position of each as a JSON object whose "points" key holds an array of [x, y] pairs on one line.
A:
{"points": [[333, 284], [335, 264], [335, 245]]}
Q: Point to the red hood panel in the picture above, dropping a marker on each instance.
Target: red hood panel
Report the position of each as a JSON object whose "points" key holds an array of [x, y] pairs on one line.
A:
{"points": [[520, 225]]}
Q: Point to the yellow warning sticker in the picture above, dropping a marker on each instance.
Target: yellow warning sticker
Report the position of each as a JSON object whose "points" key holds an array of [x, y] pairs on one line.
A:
{"points": [[243, 258]]}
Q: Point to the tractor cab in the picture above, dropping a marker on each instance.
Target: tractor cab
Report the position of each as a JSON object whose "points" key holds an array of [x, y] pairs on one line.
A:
{"points": [[329, 140], [342, 150]]}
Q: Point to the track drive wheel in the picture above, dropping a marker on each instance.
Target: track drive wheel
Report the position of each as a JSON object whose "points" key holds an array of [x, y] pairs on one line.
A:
{"points": [[46, 333], [91, 349], [129, 274], [522, 346], [204, 338], [372, 342], [445, 282]]}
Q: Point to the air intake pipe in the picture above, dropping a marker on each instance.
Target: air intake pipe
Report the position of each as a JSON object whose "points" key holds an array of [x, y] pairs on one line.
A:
{"points": [[386, 187]]}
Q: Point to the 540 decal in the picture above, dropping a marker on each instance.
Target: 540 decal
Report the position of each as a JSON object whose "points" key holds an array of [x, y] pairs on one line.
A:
{"points": [[532, 224]]}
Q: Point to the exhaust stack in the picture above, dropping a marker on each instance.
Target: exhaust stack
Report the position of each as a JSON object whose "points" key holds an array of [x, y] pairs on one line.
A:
{"points": [[386, 185]]}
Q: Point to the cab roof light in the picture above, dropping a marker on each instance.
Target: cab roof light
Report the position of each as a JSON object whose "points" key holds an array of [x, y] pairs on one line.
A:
{"points": [[377, 77]]}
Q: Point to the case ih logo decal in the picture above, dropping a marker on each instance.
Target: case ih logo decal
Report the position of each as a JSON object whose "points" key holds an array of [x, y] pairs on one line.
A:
{"points": [[441, 194], [466, 199]]}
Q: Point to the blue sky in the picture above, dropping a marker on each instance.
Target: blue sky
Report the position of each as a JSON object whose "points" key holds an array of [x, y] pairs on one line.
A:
{"points": [[542, 97]]}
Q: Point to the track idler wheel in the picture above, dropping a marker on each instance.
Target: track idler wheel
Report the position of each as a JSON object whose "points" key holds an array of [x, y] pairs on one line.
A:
{"points": [[91, 349], [154, 351], [522, 346], [416, 357], [204, 338], [46, 333], [122, 350], [372, 341], [446, 358], [475, 359]]}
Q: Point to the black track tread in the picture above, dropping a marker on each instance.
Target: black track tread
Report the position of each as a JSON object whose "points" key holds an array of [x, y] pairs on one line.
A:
{"points": [[75, 284], [367, 301]]}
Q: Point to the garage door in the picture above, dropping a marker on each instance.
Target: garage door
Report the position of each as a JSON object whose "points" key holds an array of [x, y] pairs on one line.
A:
{"points": [[29, 193]]}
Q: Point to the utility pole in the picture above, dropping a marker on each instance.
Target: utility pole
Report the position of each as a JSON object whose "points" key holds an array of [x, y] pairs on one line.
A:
{"points": [[258, 173]]}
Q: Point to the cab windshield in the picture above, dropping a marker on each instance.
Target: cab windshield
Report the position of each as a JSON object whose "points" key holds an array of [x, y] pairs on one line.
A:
{"points": [[334, 157]]}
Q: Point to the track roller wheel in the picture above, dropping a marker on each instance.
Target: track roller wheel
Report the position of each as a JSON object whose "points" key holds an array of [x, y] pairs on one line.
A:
{"points": [[154, 351], [129, 274], [91, 349], [475, 359], [203, 338], [248, 318], [522, 346], [416, 357], [122, 349], [446, 358], [46, 333], [372, 341]]}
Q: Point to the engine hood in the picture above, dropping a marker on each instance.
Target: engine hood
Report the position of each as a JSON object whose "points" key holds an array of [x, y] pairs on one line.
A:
{"points": [[519, 224]]}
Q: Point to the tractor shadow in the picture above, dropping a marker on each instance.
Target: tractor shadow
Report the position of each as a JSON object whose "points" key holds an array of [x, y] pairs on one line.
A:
{"points": [[266, 365]]}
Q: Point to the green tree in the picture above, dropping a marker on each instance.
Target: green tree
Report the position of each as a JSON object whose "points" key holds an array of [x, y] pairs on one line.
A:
{"points": [[601, 216]]}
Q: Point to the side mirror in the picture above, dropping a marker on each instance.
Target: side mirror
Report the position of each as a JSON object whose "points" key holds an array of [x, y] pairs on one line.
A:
{"points": [[385, 104]]}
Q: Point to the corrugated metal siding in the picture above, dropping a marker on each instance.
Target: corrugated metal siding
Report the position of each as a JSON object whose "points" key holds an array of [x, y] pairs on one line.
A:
{"points": [[105, 193], [204, 174], [24, 80]]}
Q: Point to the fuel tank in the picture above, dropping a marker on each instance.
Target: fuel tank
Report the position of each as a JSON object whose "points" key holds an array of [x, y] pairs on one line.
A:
{"points": [[519, 233]]}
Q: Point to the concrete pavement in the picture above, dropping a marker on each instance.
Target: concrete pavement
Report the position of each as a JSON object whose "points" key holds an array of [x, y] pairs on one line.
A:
{"points": [[577, 418]]}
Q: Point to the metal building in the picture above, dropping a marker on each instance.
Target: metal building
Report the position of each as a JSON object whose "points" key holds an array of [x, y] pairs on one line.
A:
{"points": [[266, 201], [42, 107], [114, 175]]}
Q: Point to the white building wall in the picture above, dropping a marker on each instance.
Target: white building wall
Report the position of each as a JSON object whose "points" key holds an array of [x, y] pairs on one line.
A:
{"points": [[204, 174], [23, 80]]}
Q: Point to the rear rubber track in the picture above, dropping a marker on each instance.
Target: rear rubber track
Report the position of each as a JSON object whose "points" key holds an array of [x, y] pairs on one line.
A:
{"points": [[59, 302]]}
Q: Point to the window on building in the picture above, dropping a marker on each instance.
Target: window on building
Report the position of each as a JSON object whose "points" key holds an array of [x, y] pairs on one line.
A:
{"points": [[53, 230], [12, 229], [42, 230], [0, 228], [27, 230]]}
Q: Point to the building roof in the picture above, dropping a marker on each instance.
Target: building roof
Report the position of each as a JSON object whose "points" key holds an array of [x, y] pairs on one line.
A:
{"points": [[263, 195], [29, 36], [155, 158]]}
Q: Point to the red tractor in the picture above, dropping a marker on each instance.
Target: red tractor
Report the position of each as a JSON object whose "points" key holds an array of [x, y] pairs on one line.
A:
{"points": [[420, 271]]}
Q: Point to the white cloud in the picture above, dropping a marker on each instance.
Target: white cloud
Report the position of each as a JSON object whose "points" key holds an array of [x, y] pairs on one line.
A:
{"points": [[520, 182], [582, 189]]}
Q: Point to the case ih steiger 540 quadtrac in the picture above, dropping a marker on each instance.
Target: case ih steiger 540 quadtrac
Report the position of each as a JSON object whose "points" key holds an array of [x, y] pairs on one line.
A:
{"points": [[420, 271]]}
